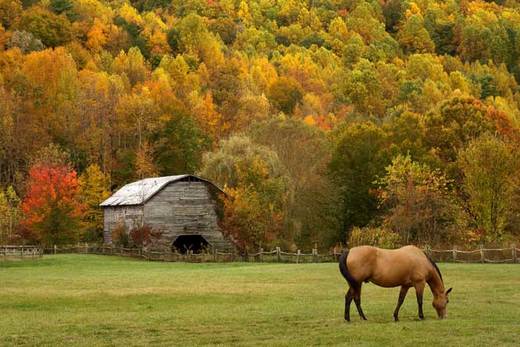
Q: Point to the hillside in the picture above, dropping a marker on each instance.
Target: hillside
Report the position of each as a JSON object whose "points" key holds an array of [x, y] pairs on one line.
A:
{"points": [[319, 117]]}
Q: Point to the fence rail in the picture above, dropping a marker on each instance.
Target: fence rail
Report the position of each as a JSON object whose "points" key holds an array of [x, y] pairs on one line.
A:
{"points": [[274, 256], [20, 252], [481, 255]]}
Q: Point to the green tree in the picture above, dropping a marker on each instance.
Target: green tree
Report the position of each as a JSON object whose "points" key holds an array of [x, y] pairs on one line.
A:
{"points": [[51, 29], [489, 166], [179, 145], [312, 203], [413, 36], [256, 186], [358, 160]]}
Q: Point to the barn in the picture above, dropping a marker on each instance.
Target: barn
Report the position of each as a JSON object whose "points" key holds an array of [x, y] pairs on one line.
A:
{"points": [[183, 209]]}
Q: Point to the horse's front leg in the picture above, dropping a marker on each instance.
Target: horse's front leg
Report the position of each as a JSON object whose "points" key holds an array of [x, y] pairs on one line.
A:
{"points": [[348, 299], [402, 295], [419, 290]]}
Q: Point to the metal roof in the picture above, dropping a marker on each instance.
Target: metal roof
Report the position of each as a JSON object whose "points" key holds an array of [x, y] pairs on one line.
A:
{"points": [[137, 193]]}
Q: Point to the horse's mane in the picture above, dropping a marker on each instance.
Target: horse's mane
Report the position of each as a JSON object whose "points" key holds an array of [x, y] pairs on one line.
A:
{"points": [[435, 266]]}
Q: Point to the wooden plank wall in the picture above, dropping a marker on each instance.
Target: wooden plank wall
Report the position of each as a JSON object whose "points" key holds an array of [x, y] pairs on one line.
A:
{"points": [[180, 208], [185, 208]]}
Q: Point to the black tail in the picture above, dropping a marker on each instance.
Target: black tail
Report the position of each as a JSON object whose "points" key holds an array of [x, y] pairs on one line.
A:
{"points": [[344, 270]]}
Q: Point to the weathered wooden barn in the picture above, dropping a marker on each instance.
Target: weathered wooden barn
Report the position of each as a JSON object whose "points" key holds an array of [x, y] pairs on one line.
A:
{"points": [[182, 208]]}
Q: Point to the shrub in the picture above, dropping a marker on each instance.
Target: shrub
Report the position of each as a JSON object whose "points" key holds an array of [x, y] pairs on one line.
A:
{"points": [[143, 235], [378, 237], [120, 236]]}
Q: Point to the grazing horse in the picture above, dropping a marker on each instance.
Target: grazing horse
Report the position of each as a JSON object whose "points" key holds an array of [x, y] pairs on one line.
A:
{"points": [[406, 267]]}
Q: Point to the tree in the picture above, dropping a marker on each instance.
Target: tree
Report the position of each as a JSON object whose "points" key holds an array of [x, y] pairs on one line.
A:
{"points": [[454, 124], [51, 29], [93, 189], [359, 157], [312, 203], [285, 93], [10, 214], [256, 190], [489, 165], [132, 64], [179, 145], [25, 41], [51, 207], [10, 11], [414, 37], [144, 163], [419, 204]]}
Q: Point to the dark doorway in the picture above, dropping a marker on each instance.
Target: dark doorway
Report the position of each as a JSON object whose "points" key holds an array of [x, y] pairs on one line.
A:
{"points": [[194, 243]]}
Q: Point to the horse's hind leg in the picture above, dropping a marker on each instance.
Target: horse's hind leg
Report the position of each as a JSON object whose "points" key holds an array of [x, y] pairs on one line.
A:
{"points": [[402, 295], [348, 299], [419, 290], [357, 300]]}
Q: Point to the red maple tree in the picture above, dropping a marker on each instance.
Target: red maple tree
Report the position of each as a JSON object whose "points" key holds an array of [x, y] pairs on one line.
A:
{"points": [[52, 210]]}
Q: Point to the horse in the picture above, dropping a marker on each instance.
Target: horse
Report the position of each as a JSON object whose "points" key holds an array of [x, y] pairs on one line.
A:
{"points": [[407, 267]]}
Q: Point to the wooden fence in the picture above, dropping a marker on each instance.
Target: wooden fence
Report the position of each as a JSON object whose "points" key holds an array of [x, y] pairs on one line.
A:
{"points": [[481, 255], [274, 256], [20, 252]]}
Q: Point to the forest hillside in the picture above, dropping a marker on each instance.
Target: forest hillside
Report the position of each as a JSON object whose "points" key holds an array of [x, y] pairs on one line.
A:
{"points": [[325, 121]]}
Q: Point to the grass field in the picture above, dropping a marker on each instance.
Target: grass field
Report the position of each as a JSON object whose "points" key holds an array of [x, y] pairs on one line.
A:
{"points": [[99, 300]]}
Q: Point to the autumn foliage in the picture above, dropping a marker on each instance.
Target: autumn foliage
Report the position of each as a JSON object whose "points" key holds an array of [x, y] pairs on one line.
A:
{"points": [[336, 90], [51, 207]]}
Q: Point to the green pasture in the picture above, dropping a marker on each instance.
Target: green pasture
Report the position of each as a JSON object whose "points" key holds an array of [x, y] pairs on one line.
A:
{"points": [[88, 300]]}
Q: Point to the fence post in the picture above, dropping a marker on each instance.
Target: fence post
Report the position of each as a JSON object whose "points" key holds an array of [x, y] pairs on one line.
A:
{"points": [[428, 250], [278, 255], [454, 253], [513, 253], [55, 249], [22, 252], [261, 255], [482, 258], [315, 255], [298, 257]]}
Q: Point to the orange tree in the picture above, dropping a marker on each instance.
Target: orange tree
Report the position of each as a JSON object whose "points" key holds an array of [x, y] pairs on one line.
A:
{"points": [[51, 207]]}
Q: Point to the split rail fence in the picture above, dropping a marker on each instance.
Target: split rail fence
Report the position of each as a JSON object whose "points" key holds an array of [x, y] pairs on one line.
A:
{"points": [[20, 252], [481, 255]]}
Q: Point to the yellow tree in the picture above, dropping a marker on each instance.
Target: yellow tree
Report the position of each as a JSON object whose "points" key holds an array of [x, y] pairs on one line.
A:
{"points": [[93, 189]]}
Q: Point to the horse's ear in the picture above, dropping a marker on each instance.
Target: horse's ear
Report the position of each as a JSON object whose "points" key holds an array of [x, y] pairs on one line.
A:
{"points": [[448, 291]]}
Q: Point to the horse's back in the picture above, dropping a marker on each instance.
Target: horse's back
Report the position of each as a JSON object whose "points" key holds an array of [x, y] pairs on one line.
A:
{"points": [[388, 267]]}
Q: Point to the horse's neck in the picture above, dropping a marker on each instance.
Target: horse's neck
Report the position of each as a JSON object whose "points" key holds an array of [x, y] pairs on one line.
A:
{"points": [[435, 283]]}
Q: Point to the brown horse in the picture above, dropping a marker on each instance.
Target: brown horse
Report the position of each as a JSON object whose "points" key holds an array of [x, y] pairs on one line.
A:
{"points": [[406, 267]]}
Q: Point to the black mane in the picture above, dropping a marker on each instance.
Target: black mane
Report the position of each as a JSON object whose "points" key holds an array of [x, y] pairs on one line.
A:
{"points": [[435, 266]]}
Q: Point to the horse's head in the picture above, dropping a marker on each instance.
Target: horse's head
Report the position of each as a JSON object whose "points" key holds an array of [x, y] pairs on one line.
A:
{"points": [[440, 302]]}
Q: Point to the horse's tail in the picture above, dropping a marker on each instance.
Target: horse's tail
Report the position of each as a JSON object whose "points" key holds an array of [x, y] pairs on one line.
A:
{"points": [[344, 270]]}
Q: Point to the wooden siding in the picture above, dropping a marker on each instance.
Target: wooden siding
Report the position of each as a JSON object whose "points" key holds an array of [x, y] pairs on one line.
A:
{"points": [[180, 208], [130, 216]]}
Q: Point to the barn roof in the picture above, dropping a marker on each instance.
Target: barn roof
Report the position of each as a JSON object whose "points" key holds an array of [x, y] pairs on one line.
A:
{"points": [[139, 192]]}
